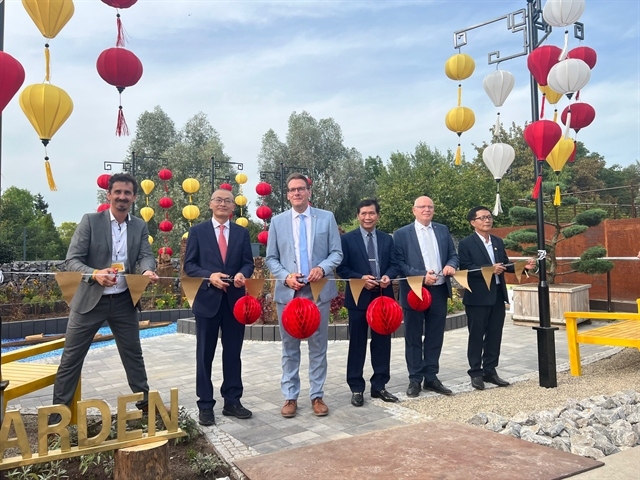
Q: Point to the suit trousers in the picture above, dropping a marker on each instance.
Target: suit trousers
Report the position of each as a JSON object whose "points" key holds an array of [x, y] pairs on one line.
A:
{"points": [[290, 382], [207, 329], [118, 311], [423, 353], [380, 351], [485, 325]]}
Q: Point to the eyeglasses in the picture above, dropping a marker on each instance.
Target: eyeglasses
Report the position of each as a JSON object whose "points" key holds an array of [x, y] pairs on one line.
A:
{"points": [[422, 207], [297, 189], [219, 201], [484, 218]]}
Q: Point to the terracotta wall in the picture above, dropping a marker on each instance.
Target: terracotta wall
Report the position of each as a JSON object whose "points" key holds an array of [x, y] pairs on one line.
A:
{"points": [[620, 237]]}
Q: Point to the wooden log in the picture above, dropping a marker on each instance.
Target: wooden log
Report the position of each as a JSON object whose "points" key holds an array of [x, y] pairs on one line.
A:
{"points": [[143, 462]]}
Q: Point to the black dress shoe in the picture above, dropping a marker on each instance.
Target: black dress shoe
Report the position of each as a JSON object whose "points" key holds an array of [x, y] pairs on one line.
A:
{"points": [[477, 383], [206, 417], [357, 399], [496, 380], [236, 410], [414, 389], [384, 395], [437, 386]]}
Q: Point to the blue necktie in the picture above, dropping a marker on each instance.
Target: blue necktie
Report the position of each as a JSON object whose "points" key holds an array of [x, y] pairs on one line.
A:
{"points": [[304, 255]]}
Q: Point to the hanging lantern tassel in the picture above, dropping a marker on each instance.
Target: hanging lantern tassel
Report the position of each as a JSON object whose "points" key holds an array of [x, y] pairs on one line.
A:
{"points": [[557, 200], [121, 127], [565, 49], [120, 38], [555, 114], [544, 98], [459, 94], [536, 188], [568, 125], [47, 61], [498, 206], [50, 180], [497, 129], [458, 156]]}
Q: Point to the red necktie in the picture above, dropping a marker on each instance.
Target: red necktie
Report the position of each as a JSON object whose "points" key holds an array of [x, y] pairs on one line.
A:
{"points": [[222, 243]]}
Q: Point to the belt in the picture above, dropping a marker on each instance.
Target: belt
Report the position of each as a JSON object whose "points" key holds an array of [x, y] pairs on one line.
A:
{"points": [[112, 296]]}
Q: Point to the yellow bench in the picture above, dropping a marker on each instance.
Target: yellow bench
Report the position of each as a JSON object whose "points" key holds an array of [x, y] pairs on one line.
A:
{"points": [[625, 332], [25, 378]]}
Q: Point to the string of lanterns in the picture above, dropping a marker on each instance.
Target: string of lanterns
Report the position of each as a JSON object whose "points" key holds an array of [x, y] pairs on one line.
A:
{"points": [[459, 119], [191, 211], [46, 106], [241, 200], [263, 212], [165, 203]]}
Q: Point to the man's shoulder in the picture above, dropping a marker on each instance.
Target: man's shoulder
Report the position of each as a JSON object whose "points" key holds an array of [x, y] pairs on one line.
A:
{"points": [[404, 230], [320, 213], [466, 241], [352, 235]]}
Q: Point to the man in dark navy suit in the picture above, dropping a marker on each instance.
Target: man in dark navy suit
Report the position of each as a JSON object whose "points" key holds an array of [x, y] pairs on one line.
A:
{"points": [[220, 252], [368, 254]]}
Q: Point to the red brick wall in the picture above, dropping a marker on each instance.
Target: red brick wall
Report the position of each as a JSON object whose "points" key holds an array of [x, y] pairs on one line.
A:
{"points": [[620, 237]]}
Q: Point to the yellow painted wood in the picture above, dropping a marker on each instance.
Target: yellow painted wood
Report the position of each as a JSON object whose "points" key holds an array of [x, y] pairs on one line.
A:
{"points": [[33, 350]]}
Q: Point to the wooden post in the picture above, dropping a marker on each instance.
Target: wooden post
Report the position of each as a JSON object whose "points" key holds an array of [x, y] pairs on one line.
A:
{"points": [[143, 462]]}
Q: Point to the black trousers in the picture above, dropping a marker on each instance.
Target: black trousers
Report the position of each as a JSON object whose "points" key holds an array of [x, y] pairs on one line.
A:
{"points": [[207, 329], [380, 350], [485, 325]]}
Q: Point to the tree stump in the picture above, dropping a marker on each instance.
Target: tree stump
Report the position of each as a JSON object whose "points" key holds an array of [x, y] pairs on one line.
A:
{"points": [[143, 462]]}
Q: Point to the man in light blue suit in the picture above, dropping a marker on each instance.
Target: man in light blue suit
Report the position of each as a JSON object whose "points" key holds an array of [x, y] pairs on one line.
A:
{"points": [[303, 246]]}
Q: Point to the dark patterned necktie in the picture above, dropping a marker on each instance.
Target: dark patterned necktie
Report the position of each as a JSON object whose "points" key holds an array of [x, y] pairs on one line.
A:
{"points": [[371, 252]]}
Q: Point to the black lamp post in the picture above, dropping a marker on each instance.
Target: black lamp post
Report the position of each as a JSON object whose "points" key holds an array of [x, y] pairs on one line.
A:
{"points": [[217, 165], [529, 21], [3, 383], [280, 176]]}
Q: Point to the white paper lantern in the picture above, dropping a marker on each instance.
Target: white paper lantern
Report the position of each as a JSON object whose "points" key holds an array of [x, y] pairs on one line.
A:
{"points": [[498, 86], [560, 13], [569, 76], [498, 157]]}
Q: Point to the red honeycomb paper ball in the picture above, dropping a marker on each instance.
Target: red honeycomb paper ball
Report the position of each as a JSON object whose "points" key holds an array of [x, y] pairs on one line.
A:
{"points": [[226, 186], [165, 226], [384, 315], [263, 188], [301, 318], [264, 212], [417, 304], [247, 310], [165, 174]]}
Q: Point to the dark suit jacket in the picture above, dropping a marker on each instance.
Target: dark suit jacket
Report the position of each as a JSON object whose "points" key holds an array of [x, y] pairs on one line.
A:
{"points": [[91, 248], [473, 255], [202, 258], [355, 264], [410, 258]]}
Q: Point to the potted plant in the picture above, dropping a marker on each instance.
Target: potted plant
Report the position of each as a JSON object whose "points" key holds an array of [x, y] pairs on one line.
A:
{"points": [[563, 297]]}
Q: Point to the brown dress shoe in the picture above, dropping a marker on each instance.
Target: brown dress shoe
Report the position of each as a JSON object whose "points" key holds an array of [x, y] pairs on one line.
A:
{"points": [[289, 409], [320, 408]]}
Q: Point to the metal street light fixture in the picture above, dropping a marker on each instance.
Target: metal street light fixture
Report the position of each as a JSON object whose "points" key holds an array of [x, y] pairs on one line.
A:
{"points": [[281, 176], [217, 165]]}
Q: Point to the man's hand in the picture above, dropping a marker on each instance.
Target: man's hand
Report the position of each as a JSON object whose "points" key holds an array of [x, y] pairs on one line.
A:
{"points": [[217, 280], [292, 281], [153, 277], [448, 271], [371, 282], [430, 278], [316, 273], [238, 280], [385, 281], [531, 263], [105, 277], [498, 268]]}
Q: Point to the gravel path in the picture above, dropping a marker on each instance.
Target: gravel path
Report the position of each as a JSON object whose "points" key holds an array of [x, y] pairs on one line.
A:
{"points": [[604, 377]]}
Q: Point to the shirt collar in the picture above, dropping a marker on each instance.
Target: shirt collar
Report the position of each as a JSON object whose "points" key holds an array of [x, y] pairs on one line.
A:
{"points": [[216, 224], [113, 219], [307, 212], [365, 233], [420, 226], [483, 240]]}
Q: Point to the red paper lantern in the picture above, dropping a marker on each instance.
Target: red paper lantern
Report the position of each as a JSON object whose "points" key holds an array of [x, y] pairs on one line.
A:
{"points": [[103, 206], [226, 186], [586, 54], [11, 78], [264, 212], [541, 60], [263, 236], [247, 310], [309, 181], [582, 114], [301, 318], [165, 251], [165, 226], [120, 3], [417, 304], [103, 181], [119, 67], [384, 315], [165, 174], [542, 136], [263, 188], [165, 202]]}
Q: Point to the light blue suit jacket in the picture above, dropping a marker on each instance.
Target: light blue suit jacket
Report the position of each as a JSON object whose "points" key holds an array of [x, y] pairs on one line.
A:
{"points": [[326, 251]]}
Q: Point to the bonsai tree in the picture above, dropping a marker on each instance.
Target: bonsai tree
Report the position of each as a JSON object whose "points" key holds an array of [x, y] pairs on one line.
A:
{"points": [[526, 239]]}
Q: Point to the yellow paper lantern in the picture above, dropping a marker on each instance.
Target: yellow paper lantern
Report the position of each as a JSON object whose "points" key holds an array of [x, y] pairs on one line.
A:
{"points": [[191, 185], [147, 186], [146, 213], [241, 179], [459, 67], [241, 200], [50, 16], [150, 240], [243, 222], [190, 212], [560, 154], [47, 107], [460, 119], [185, 235], [552, 96]]}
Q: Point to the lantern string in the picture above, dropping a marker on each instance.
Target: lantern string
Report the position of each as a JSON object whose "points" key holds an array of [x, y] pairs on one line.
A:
{"points": [[47, 63]]}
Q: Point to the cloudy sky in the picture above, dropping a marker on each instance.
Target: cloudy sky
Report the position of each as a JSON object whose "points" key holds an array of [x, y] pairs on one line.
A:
{"points": [[376, 67]]}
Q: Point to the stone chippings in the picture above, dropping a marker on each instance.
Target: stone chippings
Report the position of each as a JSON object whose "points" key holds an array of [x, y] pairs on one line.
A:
{"points": [[593, 427]]}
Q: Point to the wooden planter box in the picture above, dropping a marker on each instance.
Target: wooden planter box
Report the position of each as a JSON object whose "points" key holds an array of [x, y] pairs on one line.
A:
{"points": [[568, 297]]}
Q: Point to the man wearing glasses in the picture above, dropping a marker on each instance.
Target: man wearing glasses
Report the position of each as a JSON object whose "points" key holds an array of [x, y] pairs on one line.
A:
{"points": [[425, 248], [219, 252], [303, 246], [485, 307]]}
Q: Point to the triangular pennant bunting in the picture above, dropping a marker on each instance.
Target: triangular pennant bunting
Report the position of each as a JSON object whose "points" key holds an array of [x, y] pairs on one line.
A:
{"points": [[68, 283]]}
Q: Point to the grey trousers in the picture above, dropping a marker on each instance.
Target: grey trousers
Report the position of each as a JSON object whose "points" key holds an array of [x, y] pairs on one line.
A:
{"points": [[118, 311]]}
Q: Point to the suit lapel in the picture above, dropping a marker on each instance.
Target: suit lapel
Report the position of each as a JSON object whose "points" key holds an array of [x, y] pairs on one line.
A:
{"points": [[215, 246], [106, 220], [361, 246], [314, 223], [415, 245], [482, 248]]}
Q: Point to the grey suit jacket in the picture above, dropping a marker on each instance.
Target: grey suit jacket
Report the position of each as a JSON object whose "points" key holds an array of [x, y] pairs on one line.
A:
{"points": [[410, 258], [91, 248], [326, 252]]}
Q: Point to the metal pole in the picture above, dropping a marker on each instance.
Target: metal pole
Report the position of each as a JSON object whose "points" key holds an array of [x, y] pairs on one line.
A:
{"points": [[213, 175], [281, 187], [133, 172]]}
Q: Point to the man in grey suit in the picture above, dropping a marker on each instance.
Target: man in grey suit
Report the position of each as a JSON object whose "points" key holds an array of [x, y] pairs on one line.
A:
{"points": [[104, 246], [425, 248], [303, 246]]}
